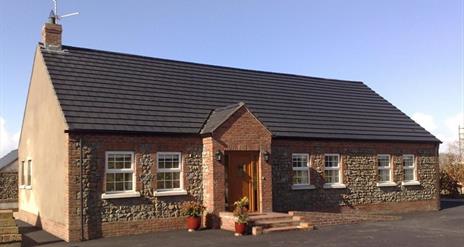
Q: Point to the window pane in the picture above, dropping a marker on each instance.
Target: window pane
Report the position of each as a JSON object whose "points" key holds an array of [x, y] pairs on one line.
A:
{"points": [[168, 161], [128, 161], [384, 175], [168, 180], [409, 174], [127, 177], [331, 161], [110, 177], [119, 186], [111, 164], [128, 186], [29, 169], [300, 177], [160, 184], [119, 161], [119, 177], [109, 186], [299, 160], [383, 160], [23, 173], [331, 176], [408, 161]]}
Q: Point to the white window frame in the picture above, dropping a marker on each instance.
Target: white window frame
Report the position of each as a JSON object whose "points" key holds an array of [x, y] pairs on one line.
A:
{"points": [[28, 184], [176, 191], [23, 175], [390, 172], [339, 184], [122, 193], [413, 168], [306, 168]]}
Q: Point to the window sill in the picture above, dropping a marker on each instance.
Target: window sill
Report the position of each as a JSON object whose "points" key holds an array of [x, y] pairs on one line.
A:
{"points": [[171, 193], [410, 183], [25, 187], [386, 184], [303, 187], [120, 195], [334, 186]]}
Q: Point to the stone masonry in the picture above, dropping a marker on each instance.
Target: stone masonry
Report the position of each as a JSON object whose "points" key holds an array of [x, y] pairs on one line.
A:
{"points": [[359, 174], [8, 186], [99, 212]]}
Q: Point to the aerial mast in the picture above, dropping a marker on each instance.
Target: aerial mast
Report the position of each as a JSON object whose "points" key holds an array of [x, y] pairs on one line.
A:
{"points": [[55, 17]]}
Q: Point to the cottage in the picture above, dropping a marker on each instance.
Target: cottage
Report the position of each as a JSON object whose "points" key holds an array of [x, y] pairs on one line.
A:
{"points": [[112, 143]]}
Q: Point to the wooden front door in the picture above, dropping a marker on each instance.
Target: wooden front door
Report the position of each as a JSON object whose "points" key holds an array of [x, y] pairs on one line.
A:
{"points": [[242, 178]]}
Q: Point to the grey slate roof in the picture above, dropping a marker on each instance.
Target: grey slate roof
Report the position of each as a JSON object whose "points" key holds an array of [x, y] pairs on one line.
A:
{"points": [[107, 91], [219, 116], [9, 158]]}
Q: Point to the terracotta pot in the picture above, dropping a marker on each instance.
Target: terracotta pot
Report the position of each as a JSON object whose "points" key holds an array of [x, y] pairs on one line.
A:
{"points": [[240, 228], [193, 223]]}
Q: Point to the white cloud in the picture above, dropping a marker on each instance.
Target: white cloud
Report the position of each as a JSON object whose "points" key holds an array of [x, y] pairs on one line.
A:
{"points": [[425, 121], [8, 140], [446, 130], [452, 123]]}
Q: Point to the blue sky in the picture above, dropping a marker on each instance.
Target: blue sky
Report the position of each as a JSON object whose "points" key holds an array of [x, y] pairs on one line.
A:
{"points": [[409, 51]]}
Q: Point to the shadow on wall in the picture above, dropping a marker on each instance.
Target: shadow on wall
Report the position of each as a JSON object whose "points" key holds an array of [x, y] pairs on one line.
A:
{"points": [[318, 199], [33, 235]]}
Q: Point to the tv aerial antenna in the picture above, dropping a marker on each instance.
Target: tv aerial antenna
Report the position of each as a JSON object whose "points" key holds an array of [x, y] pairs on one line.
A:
{"points": [[55, 17]]}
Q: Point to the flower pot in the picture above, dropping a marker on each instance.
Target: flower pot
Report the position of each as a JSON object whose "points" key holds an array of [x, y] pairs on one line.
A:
{"points": [[193, 223], [240, 228]]}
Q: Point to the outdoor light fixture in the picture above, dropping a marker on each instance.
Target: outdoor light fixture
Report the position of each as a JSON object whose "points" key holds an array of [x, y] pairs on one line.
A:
{"points": [[266, 156], [218, 155]]}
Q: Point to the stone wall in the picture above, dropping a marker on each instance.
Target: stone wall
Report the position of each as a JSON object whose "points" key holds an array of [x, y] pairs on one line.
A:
{"points": [[8, 186], [359, 174], [148, 207]]}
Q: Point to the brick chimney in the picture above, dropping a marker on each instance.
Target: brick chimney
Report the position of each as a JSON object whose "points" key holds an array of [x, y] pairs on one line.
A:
{"points": [[51, 33]]}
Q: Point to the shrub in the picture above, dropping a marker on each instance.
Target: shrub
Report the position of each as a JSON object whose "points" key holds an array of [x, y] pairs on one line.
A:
{"points": [[192, 208], [241, 210]]}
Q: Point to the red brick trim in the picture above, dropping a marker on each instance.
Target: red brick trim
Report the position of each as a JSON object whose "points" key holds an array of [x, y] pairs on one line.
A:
{"points": [[397, 207], [123, 228], [325, 219]]}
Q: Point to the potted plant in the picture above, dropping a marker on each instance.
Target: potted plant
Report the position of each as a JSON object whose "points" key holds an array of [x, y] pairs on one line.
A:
{"points": [[193, 210], [241, 214]]}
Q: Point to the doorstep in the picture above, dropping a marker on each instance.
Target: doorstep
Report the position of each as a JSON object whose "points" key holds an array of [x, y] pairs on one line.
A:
{"points": [[268, 222]]}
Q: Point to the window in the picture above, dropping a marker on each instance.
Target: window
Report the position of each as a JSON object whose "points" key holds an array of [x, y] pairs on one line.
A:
{"points": [[23, 174], [409, 167], [300, 166], [383, 161], [120, 172], [169, 173], [29, 173], [332, 168]]}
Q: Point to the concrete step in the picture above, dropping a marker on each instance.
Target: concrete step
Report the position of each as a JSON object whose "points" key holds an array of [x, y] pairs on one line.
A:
{"points": [[8, 238], [281, 229], [265, 217], [7, 222], [277, 223], [8, 230], [6, 214]]}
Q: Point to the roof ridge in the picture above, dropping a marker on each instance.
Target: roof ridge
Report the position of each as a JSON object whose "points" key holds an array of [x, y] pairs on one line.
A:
{"points": [[211, 65]]}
